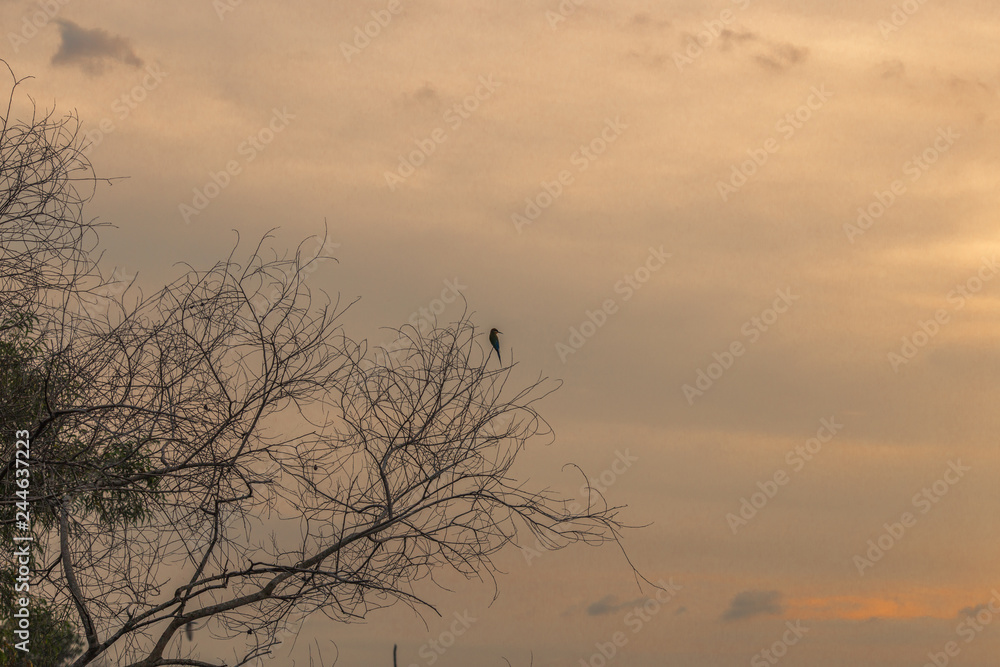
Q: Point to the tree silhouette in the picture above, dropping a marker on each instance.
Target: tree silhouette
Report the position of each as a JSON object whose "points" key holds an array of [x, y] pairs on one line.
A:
{"points": [[47, 265], [220, 453]]}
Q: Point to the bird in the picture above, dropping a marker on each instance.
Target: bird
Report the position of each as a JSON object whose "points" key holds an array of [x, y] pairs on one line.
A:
{"points": [[495, 342]]}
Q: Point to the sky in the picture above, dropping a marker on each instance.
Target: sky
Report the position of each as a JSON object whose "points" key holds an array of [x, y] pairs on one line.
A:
{"points": [[756, 240]]}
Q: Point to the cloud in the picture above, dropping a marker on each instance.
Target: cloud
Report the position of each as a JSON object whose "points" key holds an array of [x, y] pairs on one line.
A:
{"points": [[91, 49], [609, 605], [645, 46], [775, 56], [893, 69], [753, 603], [427, 94], [967, 87], [642, 21], [730, 37], [858, 608], [780, 57], [972, 611]]}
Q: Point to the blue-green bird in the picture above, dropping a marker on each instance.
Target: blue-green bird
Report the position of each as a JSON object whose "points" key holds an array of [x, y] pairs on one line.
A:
{"points": [[495, 342]]}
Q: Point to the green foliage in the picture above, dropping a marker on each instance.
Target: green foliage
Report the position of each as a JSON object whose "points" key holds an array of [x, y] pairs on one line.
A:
{"points": [[122, 505], [22, 400], [53, 641], [31, 384], [22, 379]]}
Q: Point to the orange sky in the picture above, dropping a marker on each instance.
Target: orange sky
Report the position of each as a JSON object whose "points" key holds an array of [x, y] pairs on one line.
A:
{"points": [[719, 223]]}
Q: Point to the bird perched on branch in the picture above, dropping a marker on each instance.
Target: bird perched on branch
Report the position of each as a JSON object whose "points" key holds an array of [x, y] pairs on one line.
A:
{"points": [[495, 342]]}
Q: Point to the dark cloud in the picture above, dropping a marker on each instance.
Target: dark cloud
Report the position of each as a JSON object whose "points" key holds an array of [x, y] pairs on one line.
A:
{"points": [[972, 611], [780, 57], [91, 49], [775, 56], [753, 603], [643, 21], [893, 69], [646, 49], [647, 58], [426, 94], [419, 105], [967, 87], [730, 37], [609, 605]]}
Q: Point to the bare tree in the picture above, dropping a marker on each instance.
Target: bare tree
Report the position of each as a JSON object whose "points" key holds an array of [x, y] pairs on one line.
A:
{"points": [[47, 264], [47, 258], [46, 245], [178, 437], [390, 470]]}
